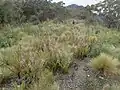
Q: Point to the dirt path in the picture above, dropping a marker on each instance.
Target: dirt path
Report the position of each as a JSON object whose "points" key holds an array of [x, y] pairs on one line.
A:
{"points": [[75, 79], [81, 77]]}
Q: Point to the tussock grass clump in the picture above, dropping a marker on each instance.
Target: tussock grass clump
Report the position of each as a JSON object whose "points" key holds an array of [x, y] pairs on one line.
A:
{"points": [[58, 55], [92, 39], [59, 59], [81, 51], [82, 46], [45, 82], [77, 41], [105, 63], [23, 60]]}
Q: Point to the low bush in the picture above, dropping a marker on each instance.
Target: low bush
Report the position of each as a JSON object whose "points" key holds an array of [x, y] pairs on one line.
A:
{"points": [[23, 60], [10, 38], [81, 51], [104, 63]]}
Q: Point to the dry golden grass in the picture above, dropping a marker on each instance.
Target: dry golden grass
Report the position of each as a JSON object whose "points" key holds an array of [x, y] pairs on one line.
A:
{"points": [[105, 63], [47, 48]]}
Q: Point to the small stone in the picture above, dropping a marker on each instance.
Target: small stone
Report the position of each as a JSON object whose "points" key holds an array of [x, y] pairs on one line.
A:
{"points": [[101, 77], [18, 86], [88, 75]]}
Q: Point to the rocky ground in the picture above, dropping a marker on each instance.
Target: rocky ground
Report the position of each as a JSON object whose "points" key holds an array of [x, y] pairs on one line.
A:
{"points": [[82, 77]]}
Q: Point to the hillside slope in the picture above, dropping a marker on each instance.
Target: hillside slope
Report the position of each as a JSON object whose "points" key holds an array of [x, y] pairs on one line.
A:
{"points": [[36, 57]]}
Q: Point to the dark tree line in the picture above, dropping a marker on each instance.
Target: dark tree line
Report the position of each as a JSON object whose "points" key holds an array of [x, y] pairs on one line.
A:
{"points": [[35, 11]]}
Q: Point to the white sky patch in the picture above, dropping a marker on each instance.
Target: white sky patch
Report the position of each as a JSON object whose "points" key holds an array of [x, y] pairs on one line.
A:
{"points": [[79, 2]]}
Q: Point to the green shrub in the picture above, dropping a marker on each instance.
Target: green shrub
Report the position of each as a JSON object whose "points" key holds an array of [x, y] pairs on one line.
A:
{"points": [[10, 38], [111, 50]]}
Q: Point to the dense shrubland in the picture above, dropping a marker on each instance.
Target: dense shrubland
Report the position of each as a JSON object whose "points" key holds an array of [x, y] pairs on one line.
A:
{"points": [[31, 55], [31, 51]]}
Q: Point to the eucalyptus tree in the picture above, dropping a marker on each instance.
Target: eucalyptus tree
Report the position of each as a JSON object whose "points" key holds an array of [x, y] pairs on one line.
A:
{"points": [[110, 9], [21, 11]]}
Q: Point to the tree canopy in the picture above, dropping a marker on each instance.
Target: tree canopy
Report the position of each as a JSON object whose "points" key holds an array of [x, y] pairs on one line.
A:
{"points": [[19, 11], [110, 9]]}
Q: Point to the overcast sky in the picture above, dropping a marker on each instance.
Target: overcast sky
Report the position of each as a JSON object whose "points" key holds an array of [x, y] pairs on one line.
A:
{"points": [[79, 2]]}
